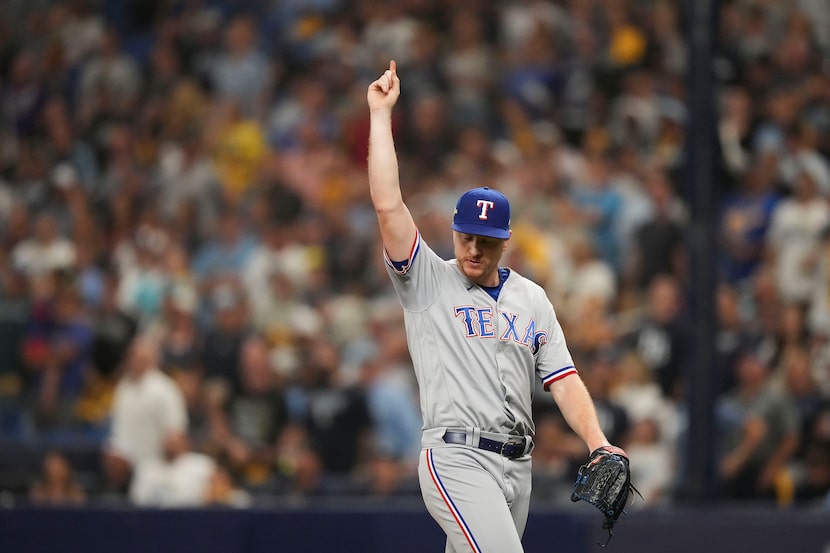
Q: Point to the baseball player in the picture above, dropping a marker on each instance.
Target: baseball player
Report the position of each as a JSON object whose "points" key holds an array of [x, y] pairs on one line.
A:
{"points": [[478, 334]]}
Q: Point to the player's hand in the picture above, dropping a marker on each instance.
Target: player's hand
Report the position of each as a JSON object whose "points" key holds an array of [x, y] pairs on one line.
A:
{"points": [[384, 92]]}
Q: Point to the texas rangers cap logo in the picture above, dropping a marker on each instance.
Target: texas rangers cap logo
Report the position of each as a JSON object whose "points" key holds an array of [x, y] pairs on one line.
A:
{"points": [[482, 211]]}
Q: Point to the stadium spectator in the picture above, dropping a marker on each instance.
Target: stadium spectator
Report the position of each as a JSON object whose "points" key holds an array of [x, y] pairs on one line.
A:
{"points": [[189, 191], [276, 258], [24, 93], [794, 238], [113, 332], [801, 389], [241, 73], [598, 373], [392, 404], [58, 354], [146, 408], [743, 223], [732, 337], [68, 150], [635, 390], [223, 491], [660, 241], [248, 424], [652, 461], [110, 82], [661, 336], [592, 279], [758, 433], [57, 485], [223, 255], [179, 478], [238, 145], [177, 331], [47, 250], [598, 204], [467, 69], [333, 417], [144, 280], [223, 336]]}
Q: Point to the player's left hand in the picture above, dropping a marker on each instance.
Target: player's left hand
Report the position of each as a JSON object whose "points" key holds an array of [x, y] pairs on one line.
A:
{"points": [[605, 482]]}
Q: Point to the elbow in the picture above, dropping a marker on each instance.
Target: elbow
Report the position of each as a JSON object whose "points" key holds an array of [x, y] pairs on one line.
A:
{"points": [[386, 207]]}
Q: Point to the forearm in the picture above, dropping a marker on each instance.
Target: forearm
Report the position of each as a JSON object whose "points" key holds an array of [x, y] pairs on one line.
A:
{"points": [[577, 407], [384, 185], [397, 228]]}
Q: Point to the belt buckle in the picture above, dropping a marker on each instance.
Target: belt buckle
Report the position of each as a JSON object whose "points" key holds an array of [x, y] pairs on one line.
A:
{"points": [[522, 443], [508, 442]]}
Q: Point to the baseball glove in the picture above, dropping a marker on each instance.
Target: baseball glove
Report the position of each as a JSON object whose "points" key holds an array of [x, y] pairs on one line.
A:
{"points": [[605, 482]]}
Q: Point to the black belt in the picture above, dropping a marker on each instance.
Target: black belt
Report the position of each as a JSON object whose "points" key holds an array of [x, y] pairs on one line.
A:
{"points": [[511, 450]]}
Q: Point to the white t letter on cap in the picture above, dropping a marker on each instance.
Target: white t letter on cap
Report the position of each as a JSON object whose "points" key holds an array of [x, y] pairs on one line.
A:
{"points": [[485, 205]]}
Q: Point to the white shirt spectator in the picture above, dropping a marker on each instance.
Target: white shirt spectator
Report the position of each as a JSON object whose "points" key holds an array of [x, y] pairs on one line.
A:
{"points": [[188, 176], [653, 468], [109, 73], [34, 257], [242, 73], [591, 278], [45, 251], [144, 411], [794, 236], [180, 482]]}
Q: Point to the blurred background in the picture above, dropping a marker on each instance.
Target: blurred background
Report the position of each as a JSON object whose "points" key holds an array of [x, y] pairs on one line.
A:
{"points": [[194, 310]]}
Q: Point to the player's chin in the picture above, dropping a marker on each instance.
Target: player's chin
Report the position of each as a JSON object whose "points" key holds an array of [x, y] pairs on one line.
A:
{"points": [[474, 271]]}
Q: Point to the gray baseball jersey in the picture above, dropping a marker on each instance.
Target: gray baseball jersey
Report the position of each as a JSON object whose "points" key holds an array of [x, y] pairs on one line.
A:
{"points": [[476, 360]]}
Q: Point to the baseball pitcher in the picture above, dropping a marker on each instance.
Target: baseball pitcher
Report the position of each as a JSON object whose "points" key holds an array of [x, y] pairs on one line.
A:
{"points": [[478, 334]]}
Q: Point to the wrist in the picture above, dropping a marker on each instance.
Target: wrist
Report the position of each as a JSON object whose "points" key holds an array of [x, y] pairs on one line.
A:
{"points": [[596, 442], [614, 450], [597, 446]]}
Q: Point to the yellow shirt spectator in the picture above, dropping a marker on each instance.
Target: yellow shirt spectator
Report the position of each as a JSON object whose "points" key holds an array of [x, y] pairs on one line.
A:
{"points": [[239, 153]]}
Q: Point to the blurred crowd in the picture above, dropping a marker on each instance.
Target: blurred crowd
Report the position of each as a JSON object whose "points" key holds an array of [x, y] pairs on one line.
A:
{"points": [[194, 308]]}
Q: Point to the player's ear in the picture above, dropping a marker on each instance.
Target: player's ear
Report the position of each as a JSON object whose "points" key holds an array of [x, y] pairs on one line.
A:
{"points": [[506, 240]]}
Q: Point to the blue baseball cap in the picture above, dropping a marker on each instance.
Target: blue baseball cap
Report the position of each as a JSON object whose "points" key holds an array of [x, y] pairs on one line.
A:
{"points": [[482, 211]]}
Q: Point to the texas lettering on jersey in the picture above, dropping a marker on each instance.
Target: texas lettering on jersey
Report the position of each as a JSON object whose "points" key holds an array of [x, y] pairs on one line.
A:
{"points": [[479, 322]]}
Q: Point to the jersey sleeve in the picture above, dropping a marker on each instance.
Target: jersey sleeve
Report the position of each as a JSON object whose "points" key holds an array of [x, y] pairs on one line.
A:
{"points": [[553, 359], [417, 279]]}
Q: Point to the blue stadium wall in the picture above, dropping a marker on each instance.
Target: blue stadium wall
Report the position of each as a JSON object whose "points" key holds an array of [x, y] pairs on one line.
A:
{"points": [[380, 529]]}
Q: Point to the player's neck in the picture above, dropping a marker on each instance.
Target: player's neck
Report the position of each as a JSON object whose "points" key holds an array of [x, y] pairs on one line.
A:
{"points": [[490, 280]]}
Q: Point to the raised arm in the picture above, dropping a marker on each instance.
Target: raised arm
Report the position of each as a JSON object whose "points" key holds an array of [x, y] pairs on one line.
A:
{"points": [[396, 225]]}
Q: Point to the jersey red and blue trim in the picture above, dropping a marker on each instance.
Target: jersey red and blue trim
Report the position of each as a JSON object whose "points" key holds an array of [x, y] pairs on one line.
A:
{"points": [[401, 267], [558, 374]]}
